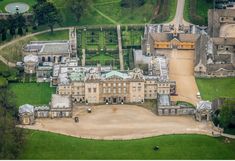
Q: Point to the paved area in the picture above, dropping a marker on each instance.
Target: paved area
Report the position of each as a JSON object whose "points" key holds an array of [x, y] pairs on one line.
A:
{"points": [[179, 15], [120, 47], [121, 122], [181, 69], [227, 30]]}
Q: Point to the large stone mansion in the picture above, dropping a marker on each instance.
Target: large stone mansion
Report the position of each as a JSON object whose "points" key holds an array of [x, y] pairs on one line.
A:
{"points": [[104, 85]]}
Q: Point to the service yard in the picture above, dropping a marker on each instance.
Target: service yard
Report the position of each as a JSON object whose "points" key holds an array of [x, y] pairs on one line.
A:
{"points": [[121, 122], [181, 70], [227, 30]]}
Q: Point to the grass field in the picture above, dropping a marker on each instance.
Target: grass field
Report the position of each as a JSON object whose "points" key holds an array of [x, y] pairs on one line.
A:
{"points": [[131, 38], [107, 12], [13, 52], [56, 35], [5, 2], [32, 93], [216, 87], [202, 7], [45, 145]]}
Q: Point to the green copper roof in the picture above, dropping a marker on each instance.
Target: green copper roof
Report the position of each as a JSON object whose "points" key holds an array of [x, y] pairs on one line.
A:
{"points": [[77, 76], [116, 73]]}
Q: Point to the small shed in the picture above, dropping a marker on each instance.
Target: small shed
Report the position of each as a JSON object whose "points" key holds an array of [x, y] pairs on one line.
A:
{"points": [[203, 111], [26, 114]]}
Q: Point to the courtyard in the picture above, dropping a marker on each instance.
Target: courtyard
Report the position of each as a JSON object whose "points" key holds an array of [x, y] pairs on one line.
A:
{"points": [[227, 30], [181, 69], [120, 122]]}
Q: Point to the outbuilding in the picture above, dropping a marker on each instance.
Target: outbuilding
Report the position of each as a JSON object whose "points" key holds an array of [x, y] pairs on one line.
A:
{"points": [[26, 114]]}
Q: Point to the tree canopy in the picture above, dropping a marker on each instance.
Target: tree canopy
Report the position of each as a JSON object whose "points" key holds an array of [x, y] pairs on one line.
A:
{"points": [[79, 7]]}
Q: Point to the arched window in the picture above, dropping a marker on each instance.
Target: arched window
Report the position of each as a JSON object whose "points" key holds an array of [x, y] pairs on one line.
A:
{"points": [[49, 59], [43, 59]]}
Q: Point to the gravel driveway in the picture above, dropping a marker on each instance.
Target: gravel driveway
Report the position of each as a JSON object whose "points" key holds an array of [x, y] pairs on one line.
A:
{"points": [[121, 122]]}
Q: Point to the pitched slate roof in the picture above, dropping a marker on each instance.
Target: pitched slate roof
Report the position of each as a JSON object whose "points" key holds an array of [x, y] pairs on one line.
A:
{"points": [[204, 105]]}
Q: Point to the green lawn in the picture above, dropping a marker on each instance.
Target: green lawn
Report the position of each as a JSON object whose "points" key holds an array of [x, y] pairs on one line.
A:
{"points": [[202, 7], [45, 145], [3, 67], [131, 38], [107, 12], [216, 87], [32, 93], [102, 58], [173, 5], [3, 3], [56, 35]]}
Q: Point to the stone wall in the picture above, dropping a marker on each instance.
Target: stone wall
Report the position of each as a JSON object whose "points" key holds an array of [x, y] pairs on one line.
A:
{"points": [[175, 110]]}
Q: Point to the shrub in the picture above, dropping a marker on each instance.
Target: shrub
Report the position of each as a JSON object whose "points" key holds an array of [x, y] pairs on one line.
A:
{"points": [[3, 82], [132, 3]]}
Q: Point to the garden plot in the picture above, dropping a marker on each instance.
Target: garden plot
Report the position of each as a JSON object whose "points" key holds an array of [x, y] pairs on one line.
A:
{"points": [[100, 46]]}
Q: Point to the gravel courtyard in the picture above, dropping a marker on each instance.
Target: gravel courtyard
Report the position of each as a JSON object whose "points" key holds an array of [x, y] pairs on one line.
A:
{"points": [[227, 30], [120, 122], [181, 69]]}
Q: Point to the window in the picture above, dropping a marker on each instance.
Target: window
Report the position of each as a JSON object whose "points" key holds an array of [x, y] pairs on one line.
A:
{"points": [[139, 89], [94, 89], [119, 84], [104, 90], [104, 85], [124, 90], [114, 84], [119, 90], [109, 84], [114, 90], [124, 84], [109, 90], [89, 90], [134, 89], [139, 84]]}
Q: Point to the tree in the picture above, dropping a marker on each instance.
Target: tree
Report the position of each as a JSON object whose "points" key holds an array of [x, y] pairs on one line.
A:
{"points": [[46, 13], [12, 24], [12, 138], [3, 82], [78, 7], [132, 3], [3, 29], [21, 23], [52, 19], [227, 114]]}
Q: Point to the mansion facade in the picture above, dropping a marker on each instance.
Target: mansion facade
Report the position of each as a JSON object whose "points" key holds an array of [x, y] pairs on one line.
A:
{"points": [[114, 87]]}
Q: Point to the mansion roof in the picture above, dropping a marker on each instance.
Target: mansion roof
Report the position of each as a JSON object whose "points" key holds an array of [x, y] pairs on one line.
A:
{"points": [[31, 58], [26, 108], [48, 47], [59, 101], [204, 105]]}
